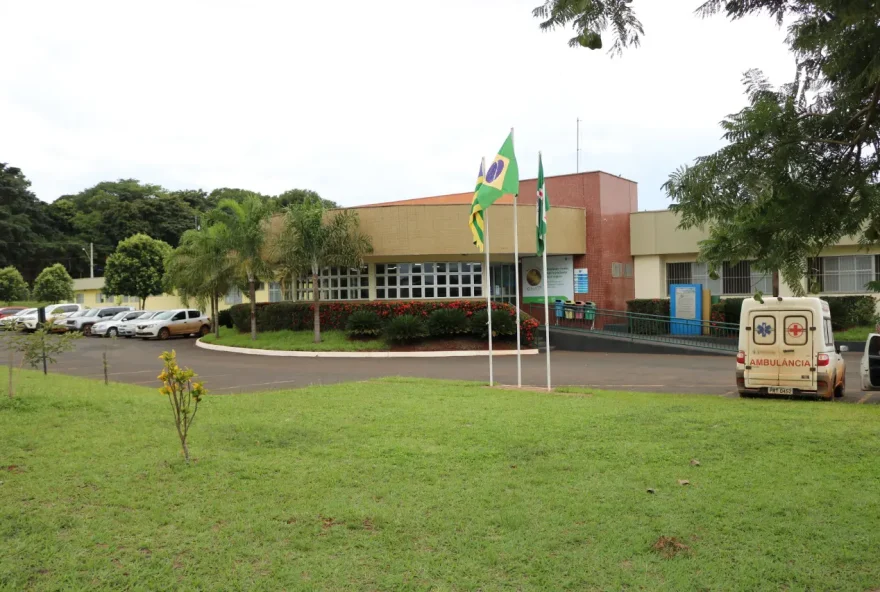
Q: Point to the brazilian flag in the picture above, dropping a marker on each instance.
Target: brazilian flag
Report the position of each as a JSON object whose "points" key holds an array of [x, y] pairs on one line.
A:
{"points": [[476, 219], [502, 178]]}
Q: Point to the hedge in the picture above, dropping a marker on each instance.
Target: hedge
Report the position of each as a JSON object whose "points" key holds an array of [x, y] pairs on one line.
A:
{"points": [[652, 306], [297, 316], [851, 311]]}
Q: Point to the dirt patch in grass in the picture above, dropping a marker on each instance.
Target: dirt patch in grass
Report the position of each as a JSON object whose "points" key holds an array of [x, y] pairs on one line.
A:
{"points": [[669, 547]]}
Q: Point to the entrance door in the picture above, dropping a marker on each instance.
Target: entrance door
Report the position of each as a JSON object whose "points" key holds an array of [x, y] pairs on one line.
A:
{"points": [[796, 359], [502, 283], [763, 355]]}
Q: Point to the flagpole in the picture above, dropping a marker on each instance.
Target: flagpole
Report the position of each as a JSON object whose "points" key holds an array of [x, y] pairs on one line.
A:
{"points": [[542, 212], [488, 275], [516, 288]]}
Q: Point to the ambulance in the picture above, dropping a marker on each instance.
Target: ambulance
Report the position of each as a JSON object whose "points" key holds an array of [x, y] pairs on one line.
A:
{"points": [[786, 347]]}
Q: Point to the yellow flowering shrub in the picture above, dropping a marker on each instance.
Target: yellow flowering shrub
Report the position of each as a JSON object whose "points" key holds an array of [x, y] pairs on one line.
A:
{"points": [[183, 394]]}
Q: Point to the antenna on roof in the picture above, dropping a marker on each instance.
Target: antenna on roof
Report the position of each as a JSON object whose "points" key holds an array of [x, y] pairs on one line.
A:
{"points": [[578, 149]]}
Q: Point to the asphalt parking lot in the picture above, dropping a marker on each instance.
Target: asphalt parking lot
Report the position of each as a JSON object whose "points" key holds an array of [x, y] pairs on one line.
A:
{"points": [[135, 361]]}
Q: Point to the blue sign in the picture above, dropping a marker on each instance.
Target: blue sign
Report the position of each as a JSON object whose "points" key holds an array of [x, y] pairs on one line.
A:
{"points": [[686, 308], [581, 281]]}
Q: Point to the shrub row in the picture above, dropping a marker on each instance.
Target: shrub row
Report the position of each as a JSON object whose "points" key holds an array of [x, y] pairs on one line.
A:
{"points": [[653, 306], [851, 311], [297, 316], [846, 311]]}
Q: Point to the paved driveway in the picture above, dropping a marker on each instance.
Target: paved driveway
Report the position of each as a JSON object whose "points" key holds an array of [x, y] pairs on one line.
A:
{"points": [[136, 362]]}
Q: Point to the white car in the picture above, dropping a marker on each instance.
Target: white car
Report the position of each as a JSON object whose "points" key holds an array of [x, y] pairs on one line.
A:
{"points": [[181, 321], [53, 311], [110, 327], [9, 322], [128, 328], [85, 321]]}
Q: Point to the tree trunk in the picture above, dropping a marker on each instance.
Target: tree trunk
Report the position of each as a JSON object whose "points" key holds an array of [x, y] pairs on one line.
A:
{"points": [[216, 300], [213, 314], [11, 365], [253, 297], [316, 298], [775, 281], [143, 302]]}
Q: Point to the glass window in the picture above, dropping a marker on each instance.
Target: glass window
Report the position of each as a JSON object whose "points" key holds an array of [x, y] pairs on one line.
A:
{"points": [[234, 296], [844, 274], [796, 330], [193, 314], [80, 298], [764, 331], [179, 316], [275, 292], [739, 279], [337, 283], [418, 280]]}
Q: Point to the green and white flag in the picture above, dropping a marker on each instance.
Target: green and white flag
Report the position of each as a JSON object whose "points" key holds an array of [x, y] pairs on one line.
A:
{"points": [[543, 206]]}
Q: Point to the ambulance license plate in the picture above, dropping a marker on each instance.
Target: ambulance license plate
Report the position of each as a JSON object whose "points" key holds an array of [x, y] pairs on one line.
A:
{"points": [[780, 390]]}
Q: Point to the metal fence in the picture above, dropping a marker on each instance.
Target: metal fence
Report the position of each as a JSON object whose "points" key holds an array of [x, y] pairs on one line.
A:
{"points": [[641, 327]]}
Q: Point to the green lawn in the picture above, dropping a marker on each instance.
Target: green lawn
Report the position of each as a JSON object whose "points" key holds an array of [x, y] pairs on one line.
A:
{"points": [[296, 340], [416, 485], [854, 334]]}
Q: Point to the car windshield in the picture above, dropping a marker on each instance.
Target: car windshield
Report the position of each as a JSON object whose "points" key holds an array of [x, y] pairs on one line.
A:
{"points": [[119, 316], [28, 312], [79, 313], [152, 314], [91, 312], [164, 316]]}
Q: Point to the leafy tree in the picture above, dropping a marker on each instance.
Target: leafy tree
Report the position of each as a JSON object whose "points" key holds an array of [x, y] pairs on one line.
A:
{"points": [[240, 195], [590, 19], [242, 229], [12, 285], [802, 166], [200, 268], [137, 268], [28, 235], [311, 238], [41, 346], [53, 285], [112, 211], [298, 196]]}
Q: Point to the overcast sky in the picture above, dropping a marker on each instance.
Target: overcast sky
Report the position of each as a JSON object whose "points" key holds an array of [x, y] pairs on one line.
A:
{"points": [[367, 102]]}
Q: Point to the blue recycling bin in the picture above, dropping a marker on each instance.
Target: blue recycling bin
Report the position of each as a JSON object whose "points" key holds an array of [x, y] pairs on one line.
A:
{"points": [[560, 310]]}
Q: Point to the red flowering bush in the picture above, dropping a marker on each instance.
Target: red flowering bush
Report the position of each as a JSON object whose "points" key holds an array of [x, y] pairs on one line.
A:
{"points": [[296, 316]]}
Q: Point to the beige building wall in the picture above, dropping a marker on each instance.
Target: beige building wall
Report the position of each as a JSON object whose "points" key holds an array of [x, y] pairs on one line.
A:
{"points": [[650, 276], [426, 232], [656, 240]]}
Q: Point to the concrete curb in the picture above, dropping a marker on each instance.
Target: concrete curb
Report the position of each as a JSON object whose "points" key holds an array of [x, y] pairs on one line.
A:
{"points": [[378, 354]]}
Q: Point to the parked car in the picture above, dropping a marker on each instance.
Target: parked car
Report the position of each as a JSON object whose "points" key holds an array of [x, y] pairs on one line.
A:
{"points": [[59, 322], [53, 311], [128, 328], [110, 327], [174, 322], [8, 311], [10, 321], [85, 321], [786, 347]]}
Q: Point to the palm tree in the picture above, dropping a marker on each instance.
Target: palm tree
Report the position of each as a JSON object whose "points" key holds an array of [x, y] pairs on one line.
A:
{"points": [[243, 234], [200, 269], [310, 239]]}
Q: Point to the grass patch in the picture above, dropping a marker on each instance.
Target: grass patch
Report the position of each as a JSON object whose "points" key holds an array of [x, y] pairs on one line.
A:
{"points": [[297, 341], [406, 484], [854, 334]]}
